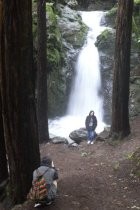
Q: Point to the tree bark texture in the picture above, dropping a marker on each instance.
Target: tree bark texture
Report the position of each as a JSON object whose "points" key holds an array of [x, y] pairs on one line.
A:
{"points": [[42, 106], [18, 98], [3, 160], [120, 97]]}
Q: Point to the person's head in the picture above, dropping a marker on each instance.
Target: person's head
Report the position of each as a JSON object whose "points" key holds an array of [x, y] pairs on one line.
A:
{"points": [[91, 113], [46, 161]]}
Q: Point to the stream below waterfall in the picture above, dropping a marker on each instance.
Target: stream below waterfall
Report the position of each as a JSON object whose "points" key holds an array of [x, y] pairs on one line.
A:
{"points": [[86, 88]]}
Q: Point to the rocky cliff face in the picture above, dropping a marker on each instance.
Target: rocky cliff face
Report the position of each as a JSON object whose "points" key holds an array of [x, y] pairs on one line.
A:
{"points": [[91, 5], [73, 33], [105, 44], [64, 47]]}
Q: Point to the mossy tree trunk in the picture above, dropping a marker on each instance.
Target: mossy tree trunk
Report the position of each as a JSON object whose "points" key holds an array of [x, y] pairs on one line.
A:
{"points": [[18, 98], [120, 99], [42, 106]]}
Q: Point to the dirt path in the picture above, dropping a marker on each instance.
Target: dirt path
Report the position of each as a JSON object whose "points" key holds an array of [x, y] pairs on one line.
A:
{"points": [[95, 177]]}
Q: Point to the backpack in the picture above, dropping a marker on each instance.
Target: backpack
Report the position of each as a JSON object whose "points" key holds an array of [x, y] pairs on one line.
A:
{"points": [[38, 191]]}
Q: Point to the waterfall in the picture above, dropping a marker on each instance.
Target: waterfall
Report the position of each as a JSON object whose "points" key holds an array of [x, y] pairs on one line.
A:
{"points": [[85, 91]]}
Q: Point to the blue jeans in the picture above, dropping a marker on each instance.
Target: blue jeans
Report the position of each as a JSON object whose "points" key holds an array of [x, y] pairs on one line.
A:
{"points": [[90, 135]]}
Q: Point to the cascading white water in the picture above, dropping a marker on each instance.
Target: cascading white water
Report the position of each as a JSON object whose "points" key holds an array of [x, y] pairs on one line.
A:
{"points": [[85, 92], [87, 84]]}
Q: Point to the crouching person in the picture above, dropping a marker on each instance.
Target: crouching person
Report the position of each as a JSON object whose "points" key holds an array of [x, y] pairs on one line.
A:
{"points": [[44, 184]]}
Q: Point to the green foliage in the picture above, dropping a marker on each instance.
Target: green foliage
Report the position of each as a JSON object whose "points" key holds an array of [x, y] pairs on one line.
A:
{"points": [[105, 34], [54, 42], [82, 33], [136, 1], [112, 12], [53, 56], [136, 29], [84, 154], [104, 38], [50, 12], [55, 94], [129, 156]]}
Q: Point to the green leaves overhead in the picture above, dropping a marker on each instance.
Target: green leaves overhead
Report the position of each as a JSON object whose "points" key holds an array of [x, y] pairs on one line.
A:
{"points": [[137, 1]]}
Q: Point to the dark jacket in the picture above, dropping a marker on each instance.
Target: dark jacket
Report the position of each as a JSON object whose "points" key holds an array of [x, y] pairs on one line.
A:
{"points": [[91, 122]]}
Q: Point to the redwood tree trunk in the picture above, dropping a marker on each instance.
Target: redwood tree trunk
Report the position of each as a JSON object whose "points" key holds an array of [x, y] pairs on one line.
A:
{"points": [[18, 99], [3, 160], [42, 106], [120, 98]]}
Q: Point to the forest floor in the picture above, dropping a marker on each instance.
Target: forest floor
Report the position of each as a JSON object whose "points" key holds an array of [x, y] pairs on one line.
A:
{"points": [[95, 177]]}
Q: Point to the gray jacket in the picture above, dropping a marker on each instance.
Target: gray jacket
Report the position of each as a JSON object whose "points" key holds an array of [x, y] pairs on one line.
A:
{"points": [[50, 174]]}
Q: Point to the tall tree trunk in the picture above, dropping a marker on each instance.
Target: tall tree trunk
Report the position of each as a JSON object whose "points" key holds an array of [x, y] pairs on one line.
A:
{"points": [[18, 99], [120, 98], [3, 160], [42, 73]]}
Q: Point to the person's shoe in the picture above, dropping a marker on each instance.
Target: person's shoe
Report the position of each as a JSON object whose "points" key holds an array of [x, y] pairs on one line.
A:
{"points": [[48, 203], [88, 142], [37, 205], [92, 142]]}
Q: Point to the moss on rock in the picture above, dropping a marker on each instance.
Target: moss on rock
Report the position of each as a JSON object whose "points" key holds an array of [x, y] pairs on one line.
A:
{"points": [[54, 41]]}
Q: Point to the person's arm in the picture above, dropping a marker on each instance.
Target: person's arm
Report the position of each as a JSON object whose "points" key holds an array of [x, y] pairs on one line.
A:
{"points": [[86, 122], [55, 177], [94, 123]]}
